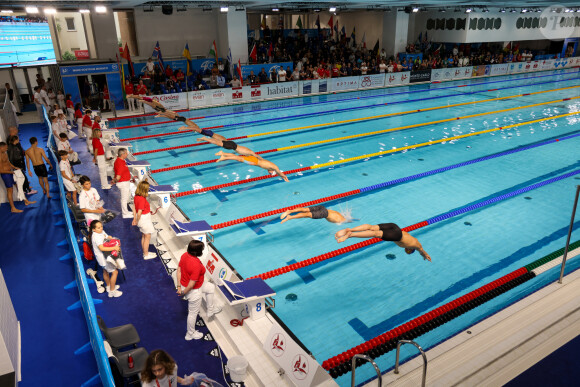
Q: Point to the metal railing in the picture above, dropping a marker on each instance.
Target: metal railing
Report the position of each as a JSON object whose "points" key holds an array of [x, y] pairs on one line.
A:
{"points": [[422, 353], [370, 360], [569, 234]]}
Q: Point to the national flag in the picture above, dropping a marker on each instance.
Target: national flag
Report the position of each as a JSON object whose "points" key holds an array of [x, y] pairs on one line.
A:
{"points": [[420, 38], [508, 47], [213, 52], [230, 62], [336, 28], [363, 41], [187, 56], [343, 31], [376, 48], [126, 55], [438, 50], [157, 54], [317, 24], [299, 22], [263, 25], [271, 50], [240, 73], [426, 38], [121, 74], [353, 36], [331, 23], [254, 54]]}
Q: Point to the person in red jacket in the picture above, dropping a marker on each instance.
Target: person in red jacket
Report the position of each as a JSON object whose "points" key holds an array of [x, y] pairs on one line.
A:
{"points": [[129, 91], [142, 91], [99, 158]]}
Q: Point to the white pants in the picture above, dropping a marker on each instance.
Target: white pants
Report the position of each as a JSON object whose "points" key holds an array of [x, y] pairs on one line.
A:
{"points": [[102, 164], [193, 298], [40, 114], [80, 126], [88, 132], [125, 189], [74, 157], [131, 102], [106, 102], [70, 115]]}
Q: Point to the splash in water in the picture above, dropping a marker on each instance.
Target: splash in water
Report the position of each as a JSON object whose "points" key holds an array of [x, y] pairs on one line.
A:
{"points": [[346, 212]]}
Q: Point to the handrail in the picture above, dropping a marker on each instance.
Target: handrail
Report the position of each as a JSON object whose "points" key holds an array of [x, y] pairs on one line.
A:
{"points": [[370, 360], [86, 300], [569, 234], [422, 353]]}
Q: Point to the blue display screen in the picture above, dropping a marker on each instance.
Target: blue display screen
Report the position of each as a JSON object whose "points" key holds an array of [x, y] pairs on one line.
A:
{"points": [[25, 42]]}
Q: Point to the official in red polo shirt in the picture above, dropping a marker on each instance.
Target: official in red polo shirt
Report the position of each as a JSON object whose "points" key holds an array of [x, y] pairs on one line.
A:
{"points": [[99, 158], [88, 129], [190, 274], [122, 179], [129, 91]]}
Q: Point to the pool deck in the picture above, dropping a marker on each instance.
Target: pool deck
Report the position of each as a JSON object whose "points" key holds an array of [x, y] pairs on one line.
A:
{"points": [[504, 345]]}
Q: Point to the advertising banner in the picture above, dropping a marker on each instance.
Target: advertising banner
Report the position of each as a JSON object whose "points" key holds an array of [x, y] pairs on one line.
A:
{"points": [[277, 90], [343, 83], [89, 69], [499, 69], [394, 79], [241, 94], [177, 101], [323, 86], [438, 75], [220, 96], [516, 68], [371, 81], [308, 87], [561, 63], [481, 70], [463, 72], [420, 76], [266, 66], [299, 366], [200, 98]]}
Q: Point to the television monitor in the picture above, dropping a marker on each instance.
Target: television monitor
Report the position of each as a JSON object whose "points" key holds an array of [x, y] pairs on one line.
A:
{"points": [[25, 41]]}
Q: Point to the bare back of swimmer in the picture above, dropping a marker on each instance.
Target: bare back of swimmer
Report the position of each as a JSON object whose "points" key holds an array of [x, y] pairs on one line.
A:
{"points": [[230, 145], [386, 231], [314, 212], [253, 160]]}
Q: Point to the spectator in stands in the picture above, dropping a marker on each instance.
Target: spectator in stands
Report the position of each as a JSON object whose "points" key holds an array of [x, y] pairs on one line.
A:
{"points": [[235, 82], [123, 181], [129, 91], [98, 238], [142, 217], [168, 71], [252, 78], [281, 75], [213, 81], [141, 90], [214, 70], [7, 171], [40, 80], [191, 286], [221, 81], [37, 156], [68, 176], [99, 158], [161, 371], [150, 67], [64, 145], [179, 76], [263, 76], [221, 67], [273, 75]]}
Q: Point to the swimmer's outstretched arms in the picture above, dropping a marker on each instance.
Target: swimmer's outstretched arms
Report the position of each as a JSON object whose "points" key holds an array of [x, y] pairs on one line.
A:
{"points": [[314, 212], [253, 160], [386, 231]]}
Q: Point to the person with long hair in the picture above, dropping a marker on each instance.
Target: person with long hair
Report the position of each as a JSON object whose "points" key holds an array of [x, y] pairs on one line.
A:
{"points": [[142, 217], [161, 371], [191, 286], [99, 158], [98, 238]]}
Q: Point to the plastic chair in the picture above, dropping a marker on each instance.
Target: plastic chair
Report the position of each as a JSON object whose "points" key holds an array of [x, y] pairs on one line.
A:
{"points": [[120, 359], [121, 336]]}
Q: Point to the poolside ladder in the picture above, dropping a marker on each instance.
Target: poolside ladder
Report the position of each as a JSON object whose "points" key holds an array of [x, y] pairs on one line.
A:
{"points": [[422, 353], [569, 234], [370, 360]]}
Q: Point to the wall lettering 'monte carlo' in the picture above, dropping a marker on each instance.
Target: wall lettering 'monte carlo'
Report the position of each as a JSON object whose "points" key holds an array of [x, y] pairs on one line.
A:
{"points": [[457, 24]]}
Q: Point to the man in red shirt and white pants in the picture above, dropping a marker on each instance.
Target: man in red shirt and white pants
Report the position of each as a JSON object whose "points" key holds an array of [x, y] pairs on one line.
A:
{"points": [[122, 179], [190, 275], [88, 129], [142, 91], [129, 91]]}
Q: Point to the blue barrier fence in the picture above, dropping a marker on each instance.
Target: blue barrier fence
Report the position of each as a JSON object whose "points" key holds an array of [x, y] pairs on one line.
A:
{"points": [[86, 299]]}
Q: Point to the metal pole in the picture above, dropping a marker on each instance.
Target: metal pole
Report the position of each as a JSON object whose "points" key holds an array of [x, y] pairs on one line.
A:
{"points": [[569, 234], [370, 360], [422, 353]]}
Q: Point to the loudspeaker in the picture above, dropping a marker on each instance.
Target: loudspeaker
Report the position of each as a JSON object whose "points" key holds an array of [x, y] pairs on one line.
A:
{"points": [[167, 9]]}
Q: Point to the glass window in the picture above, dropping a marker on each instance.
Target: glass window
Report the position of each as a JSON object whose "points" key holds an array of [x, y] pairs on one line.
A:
{"points": [[70, 23]]}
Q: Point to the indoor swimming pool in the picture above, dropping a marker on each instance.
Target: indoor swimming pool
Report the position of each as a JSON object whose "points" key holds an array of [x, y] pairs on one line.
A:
{"points": [[490, 163]]}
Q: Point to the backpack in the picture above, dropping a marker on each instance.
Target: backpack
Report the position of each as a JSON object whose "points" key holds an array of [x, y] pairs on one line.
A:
{"points": [[88, 252]]}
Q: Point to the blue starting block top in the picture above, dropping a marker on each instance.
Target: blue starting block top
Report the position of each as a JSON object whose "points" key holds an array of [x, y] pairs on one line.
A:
{"points": [[121, 144], [181, 228], [238, 292], [138, 163], [161, 189]]}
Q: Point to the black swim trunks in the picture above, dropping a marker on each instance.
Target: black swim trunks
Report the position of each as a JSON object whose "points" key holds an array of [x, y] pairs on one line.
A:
{"points": [[207, 133], [40, 170], [391, 232], [230, 145], [318, 212], [182, 119], [159, 109]]}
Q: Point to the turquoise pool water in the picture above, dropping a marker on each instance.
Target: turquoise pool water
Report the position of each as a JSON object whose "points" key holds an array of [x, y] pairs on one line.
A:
{"points": [[347, 300]]}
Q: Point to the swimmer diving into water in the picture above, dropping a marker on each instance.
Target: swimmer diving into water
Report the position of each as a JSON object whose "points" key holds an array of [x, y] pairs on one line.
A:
{"points": [[253, 160], [190, 125], [389, 232], [314, 212]]}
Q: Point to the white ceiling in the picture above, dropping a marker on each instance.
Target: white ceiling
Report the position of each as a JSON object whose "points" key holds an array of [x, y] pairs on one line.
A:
{"points": [[299, 6]]}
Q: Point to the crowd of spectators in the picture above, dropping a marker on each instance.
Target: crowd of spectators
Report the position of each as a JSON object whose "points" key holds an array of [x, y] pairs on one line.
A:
{"points": [[23, 19]]}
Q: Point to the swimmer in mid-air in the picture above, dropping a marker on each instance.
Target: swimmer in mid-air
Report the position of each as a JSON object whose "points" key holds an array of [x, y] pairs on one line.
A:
{"points": [[253, 160], [149, 101], [315, 212], [190, 124], [389, 232], [230, 145]]}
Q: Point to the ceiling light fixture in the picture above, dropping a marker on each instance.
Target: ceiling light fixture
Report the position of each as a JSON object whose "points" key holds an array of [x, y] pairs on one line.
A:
{"points": [[100, 9], [332, 9], [224, 9], [502, 10], [84, 10], [6, 11], [468, 10], [442, 9], [50, 11], [415, 9], [524, 10], [513, 10], [275, 10], [31, 10]]}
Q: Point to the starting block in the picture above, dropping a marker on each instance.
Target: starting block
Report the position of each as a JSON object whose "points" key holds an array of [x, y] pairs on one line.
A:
{"points": [[140, 166], [115, 146], [110, 135], [252, 292], [197, 230], [163, 192]]}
